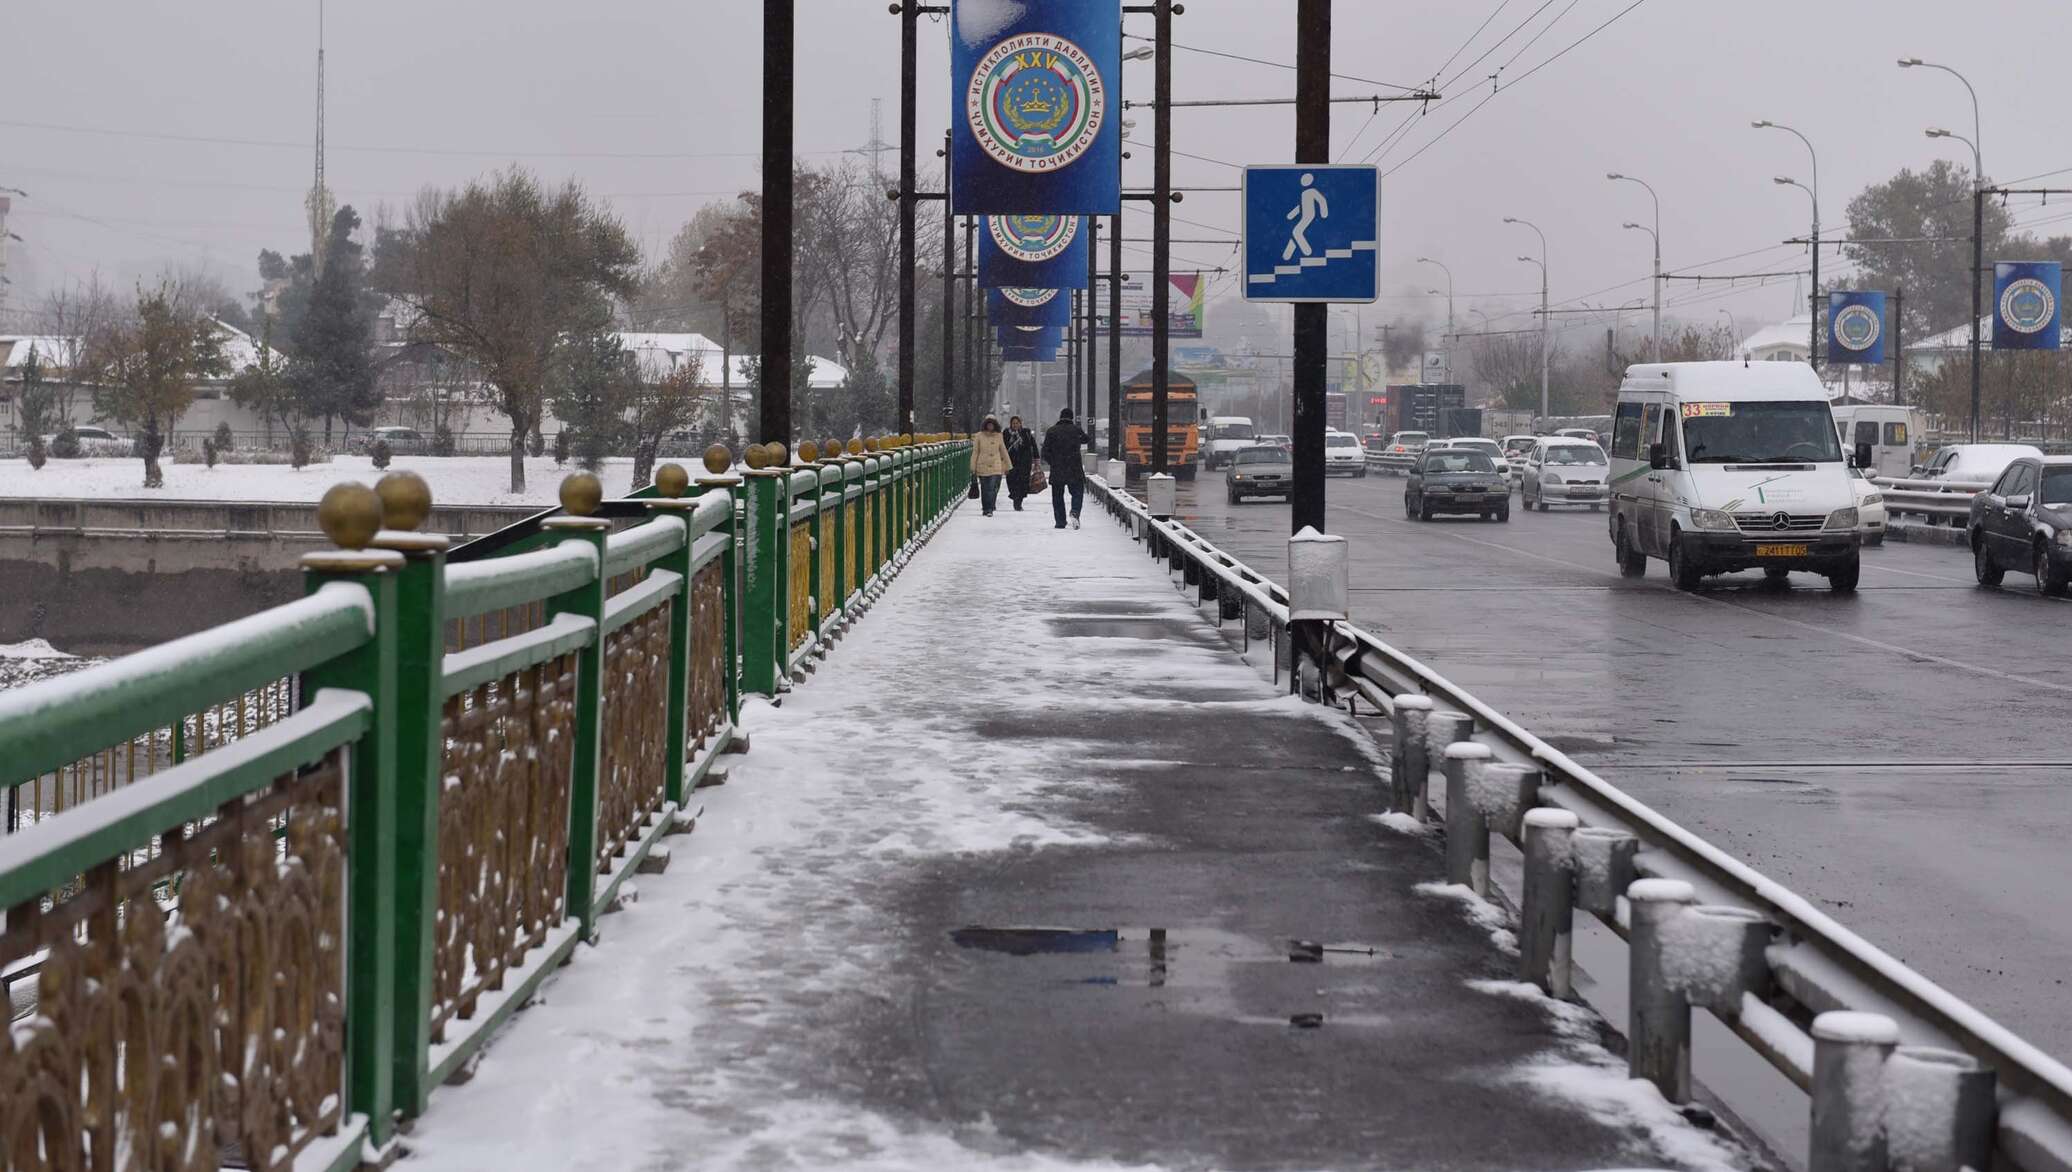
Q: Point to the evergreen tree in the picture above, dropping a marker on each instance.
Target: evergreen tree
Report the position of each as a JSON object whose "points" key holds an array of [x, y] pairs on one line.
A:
{"points": [[333, 341]]}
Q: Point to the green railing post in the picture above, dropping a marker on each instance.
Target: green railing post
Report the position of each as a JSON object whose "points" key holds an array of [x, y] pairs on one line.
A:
{"points": [[730, 589], [764, 601], [835, 512], [420, 661], [816, 547], [881, 512], [670, 481], [351, 515], [859, 552], [586, 600]]}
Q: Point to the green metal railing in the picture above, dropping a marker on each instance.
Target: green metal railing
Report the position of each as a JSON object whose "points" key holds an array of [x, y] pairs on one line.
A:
{"points": [[452, 764]]}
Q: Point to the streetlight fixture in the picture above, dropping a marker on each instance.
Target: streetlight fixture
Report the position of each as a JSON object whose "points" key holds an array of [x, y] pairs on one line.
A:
{"points": [[1140, 53], [1426, 260], [1813, 343], [1545, 316], [1978, 222], [1734, 327], [1812, 308], [1655, 346]]}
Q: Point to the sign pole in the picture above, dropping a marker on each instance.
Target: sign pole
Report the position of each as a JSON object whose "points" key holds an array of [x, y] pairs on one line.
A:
{"points": [[1161, 233], [1093, 350], [949, 288], [778, 160], [1312, 323], [1899, 346]]}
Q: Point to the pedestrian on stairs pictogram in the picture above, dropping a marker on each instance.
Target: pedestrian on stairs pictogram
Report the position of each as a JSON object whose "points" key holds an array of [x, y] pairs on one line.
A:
{"points": [[1311, 233]]}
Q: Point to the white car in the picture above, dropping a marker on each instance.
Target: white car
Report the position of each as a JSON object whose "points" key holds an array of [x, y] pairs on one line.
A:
{"points": [[1870, 508], [1517, 449], [1487, 447], [1975, 463], [1343, 454], [1565, 472]]}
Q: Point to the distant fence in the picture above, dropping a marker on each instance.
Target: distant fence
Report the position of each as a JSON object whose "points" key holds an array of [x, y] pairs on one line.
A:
{"points": [[275, 881]]}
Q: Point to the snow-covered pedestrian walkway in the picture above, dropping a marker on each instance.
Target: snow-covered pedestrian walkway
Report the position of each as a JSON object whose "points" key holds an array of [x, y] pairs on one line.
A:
{"points": [[1034, 729]]}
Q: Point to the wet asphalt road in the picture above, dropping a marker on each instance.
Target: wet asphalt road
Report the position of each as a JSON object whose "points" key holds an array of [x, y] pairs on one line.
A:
{"points": [[1902, 757]]}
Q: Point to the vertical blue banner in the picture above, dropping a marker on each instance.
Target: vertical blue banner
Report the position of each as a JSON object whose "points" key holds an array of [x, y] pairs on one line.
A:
{"points": [[1035, 107], [2025, 305], [1028, 354], [1032, 252], [1028, 307], [1856, 327], [1025, 336]]}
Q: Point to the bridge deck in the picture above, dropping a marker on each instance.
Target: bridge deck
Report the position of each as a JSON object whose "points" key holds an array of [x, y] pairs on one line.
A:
{"points": [[1035, 731]]}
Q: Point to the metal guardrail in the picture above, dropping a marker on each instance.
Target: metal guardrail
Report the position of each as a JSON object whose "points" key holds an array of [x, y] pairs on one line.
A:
{"points": [[1950, 499], [1844, 1020]]}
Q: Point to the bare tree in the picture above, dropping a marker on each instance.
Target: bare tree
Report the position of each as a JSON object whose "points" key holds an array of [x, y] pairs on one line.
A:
{"points": [[500, 272], [659, 404], [80, 324]]}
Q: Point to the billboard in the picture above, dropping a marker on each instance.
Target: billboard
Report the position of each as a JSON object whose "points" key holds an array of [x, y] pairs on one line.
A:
{"points": [[1184, 306]]}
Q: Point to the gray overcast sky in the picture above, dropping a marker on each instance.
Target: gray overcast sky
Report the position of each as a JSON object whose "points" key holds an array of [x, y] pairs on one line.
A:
{"points": [[438, 92]]}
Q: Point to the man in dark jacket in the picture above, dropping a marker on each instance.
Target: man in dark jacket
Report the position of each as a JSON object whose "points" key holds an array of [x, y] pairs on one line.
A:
{"points": [[1061, 447]]}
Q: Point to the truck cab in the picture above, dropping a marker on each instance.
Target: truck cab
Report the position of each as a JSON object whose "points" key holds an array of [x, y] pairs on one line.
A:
{"points": [[1183, 425]]}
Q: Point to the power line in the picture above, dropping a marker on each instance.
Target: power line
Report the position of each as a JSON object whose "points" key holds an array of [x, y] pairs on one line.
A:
{"points": [[1272, 64]]}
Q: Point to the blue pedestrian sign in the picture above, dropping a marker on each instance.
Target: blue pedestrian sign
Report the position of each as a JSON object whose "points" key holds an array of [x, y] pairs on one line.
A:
{"points": [[1311, 233]]}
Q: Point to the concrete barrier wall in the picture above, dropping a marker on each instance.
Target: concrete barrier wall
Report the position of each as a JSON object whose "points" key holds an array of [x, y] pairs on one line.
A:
{"points": [[111, 577]]}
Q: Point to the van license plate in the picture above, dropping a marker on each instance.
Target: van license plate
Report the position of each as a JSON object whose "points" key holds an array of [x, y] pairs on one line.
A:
{"points": [[1780, 551]]}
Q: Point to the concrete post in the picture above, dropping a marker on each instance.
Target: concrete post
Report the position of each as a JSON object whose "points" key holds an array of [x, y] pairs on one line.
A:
{"points": [[1467, 835], [1849, 1052], [1941, 1114], [1604, 867], [1319, 577], [1116, 473], [1442, 728], [1506, 793], [1407, 766], [1658, 1030], [1720, 956], [1089, 462], [1159, 495], [1547, 919]]}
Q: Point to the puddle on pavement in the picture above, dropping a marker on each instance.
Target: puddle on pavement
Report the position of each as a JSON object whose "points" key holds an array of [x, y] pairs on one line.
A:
{"points": [[1126, 627], [1195, 961]]}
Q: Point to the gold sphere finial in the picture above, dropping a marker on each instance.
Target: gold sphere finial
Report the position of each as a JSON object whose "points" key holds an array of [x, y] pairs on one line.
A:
{"points": [[870, 444], [581, 494], [671, 480], [809, 451], [907, 440], [350, 515], [718, 459], [855, 447], [406, 500], [755, 457], [779, 456], [831, 449]]}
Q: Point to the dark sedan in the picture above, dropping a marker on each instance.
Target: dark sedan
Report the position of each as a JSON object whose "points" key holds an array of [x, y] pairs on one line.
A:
{"points": [[1456, 480], [1262, 470], [2024, 523]]}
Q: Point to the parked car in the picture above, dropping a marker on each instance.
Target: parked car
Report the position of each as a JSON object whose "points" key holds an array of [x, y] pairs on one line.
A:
{"points": [[1260, 470], [1402, 450], [1343, 454], [1456, 480], [402, 441], [1564, 472], [2024, 523], [1974, 463], [1870, 507], [1516, 449]]}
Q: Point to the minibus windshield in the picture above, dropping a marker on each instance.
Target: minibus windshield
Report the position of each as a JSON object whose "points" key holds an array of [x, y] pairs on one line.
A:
{"points": [[1760, 433]]}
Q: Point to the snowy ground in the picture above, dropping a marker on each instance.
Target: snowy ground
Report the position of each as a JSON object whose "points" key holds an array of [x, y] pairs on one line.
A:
{"points": [[34, 659], [455, 480]]}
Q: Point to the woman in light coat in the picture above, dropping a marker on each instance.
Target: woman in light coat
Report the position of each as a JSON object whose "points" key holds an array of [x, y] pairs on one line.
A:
{"points": [[989, 461]]}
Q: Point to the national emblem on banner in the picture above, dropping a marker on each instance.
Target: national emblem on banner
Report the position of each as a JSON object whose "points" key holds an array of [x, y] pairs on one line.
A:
{"points": [[2025, 305], [1032, 251], [1856, 327], [1035, 109], [1035, 102]]}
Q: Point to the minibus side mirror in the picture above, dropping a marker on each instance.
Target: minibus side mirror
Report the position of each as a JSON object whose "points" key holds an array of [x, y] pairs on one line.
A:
{"points": [[1658, 457], [1863, 456]]}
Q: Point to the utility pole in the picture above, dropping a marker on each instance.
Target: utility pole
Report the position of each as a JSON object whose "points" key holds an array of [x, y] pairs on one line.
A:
{"points": [[1899, 345], [1162, 230], [320, 202], [1312, 321], [1115, 338], [1093, 350], [949, 289], [778, 160], [970, 278], [909, 52]]}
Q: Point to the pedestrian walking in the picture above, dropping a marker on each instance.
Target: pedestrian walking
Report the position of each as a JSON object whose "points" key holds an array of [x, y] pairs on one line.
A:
{"points": [[1061, 447], [989, 462], [1022, 446]]}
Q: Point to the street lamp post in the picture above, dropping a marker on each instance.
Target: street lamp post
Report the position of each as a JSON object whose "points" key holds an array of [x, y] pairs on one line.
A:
{"points": [[1545, 316], [1978, 222], [1426, 260], [1812, 343], [1655, 347], [1812, 305], [1733, 327]]}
